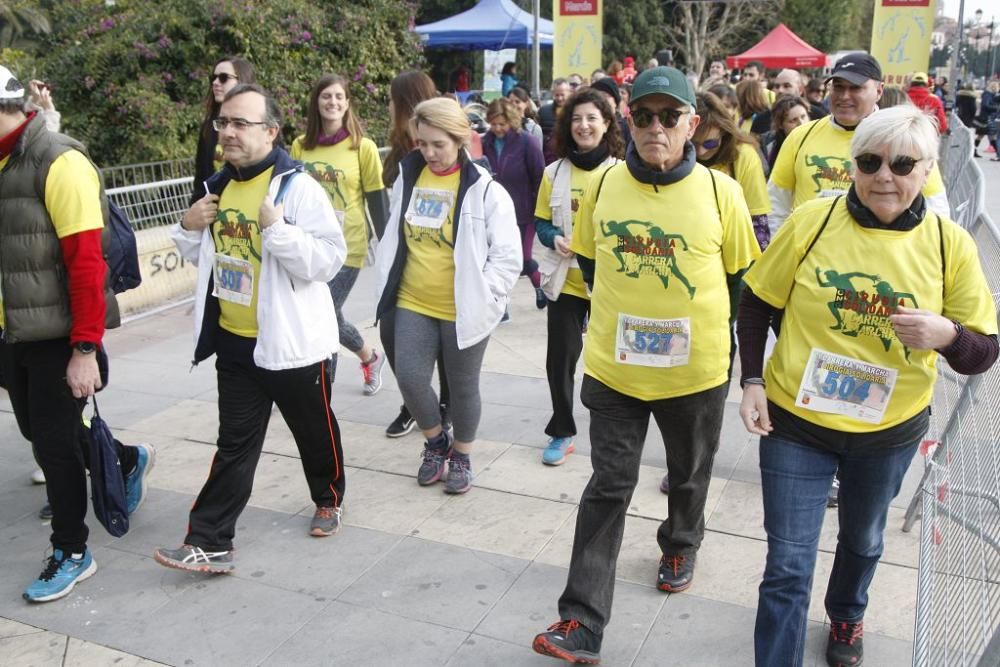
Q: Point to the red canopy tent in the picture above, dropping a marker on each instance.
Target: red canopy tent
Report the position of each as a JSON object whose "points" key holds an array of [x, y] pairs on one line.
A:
{"points": [[780, 48]]}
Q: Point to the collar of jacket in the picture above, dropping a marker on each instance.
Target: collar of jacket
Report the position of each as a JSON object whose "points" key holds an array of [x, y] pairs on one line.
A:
{"points": [[654, 177], [414, 162], [906, 221], [277, 158]]}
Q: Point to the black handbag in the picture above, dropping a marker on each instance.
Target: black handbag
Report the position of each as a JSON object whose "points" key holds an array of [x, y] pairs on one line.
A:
{"points": [[107, 484]]}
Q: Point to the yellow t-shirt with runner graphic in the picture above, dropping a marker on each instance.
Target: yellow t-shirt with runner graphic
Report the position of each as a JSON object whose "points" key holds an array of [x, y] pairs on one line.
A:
{"points": [[748, 171], [428, 284], [659, 323], [817, 163], [238, 247], [578, 180], [346, 175], [838, 362], [72, 197]]}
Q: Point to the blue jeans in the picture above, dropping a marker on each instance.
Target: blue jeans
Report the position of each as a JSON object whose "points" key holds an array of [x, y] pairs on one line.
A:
{"points": [[795, 480]]}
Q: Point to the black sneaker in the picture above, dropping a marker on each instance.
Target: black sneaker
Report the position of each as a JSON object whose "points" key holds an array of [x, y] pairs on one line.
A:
{"points": [[569, 641], [45, 514], [540, 299], [846, 646], [401, 425], [676, 573], [445, 418]]}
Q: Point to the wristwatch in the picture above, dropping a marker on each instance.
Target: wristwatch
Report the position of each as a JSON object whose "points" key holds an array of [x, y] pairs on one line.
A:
{"points": [[84, 347]]}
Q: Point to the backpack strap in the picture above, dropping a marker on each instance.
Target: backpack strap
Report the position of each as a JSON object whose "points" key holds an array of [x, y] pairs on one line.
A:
{"points": [[715, 191], [944, 275], [812, 126]]}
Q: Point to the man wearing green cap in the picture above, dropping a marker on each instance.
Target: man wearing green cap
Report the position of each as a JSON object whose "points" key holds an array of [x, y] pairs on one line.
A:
{"points": [[658, 237]]}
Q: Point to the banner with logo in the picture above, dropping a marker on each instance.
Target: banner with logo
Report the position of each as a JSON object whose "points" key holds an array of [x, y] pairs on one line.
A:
{"points": [[901, 37], [579, 29]]}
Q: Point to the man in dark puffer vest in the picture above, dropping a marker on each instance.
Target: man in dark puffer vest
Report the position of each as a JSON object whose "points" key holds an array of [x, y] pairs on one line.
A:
{"points": [[54, 307]]}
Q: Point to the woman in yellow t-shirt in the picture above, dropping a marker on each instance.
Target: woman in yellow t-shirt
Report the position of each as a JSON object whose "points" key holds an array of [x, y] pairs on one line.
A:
{"points": [[722, 146], [336, 152], [874, 286], [587, 139]]}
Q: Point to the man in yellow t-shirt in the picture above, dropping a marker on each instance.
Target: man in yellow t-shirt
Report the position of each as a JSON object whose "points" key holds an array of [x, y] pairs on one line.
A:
{"points": [[657, 236], [815, 159]]}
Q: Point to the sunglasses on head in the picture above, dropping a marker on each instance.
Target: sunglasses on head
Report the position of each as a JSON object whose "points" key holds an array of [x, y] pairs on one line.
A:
{"points": [[708, 144], [223, 78], [901, 165], [643, 117]]}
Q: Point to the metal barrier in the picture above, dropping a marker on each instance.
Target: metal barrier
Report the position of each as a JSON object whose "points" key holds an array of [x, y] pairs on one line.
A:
{"points": [[147, 172], [958, 499]]}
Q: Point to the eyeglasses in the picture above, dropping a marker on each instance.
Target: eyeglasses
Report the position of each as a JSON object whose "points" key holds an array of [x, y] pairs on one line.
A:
{"points": [[239, 124], [708, 144], [669, 118], [574, 84], [901, 165], [223, 78]]}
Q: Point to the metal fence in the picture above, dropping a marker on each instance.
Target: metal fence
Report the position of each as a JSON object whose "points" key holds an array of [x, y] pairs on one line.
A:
{"points": [[958, 500]]}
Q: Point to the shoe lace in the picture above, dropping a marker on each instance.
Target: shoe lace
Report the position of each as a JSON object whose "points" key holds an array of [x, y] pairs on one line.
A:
{"points": [[673, 562], [366, 369], [51, 567], [846, 633], [565, 627], [459, 464], [327, 512], [432, 455]]}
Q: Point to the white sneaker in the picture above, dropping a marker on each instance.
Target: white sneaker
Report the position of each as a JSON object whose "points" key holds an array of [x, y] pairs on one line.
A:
{"points": [[38, 477]]}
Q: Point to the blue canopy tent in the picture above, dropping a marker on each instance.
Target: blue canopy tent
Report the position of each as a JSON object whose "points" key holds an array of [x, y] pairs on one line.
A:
{"points": [[491, 24]]}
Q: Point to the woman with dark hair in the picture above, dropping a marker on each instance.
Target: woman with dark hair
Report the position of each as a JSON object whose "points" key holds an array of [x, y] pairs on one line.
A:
{"points": [[755, 109], [508, 78], [587, 140], [407, 90], [227, 73], [336, 152], [529, 118], [788, 112], [517, 163], [727, 94]]}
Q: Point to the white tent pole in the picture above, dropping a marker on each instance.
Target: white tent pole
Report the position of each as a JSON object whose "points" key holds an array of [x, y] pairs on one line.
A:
{"points": [[536, 53]]}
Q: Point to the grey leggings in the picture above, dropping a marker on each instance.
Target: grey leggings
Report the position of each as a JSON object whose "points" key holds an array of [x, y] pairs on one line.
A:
{"points": [[340, 287], [419, 339]]}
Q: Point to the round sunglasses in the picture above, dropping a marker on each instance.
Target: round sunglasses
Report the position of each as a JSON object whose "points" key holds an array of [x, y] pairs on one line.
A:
{"points": [[901, 165], [643, 117], [223, 78]]}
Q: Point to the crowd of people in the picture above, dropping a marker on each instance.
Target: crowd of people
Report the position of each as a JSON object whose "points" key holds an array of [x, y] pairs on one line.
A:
{"points": [[658, 221]]}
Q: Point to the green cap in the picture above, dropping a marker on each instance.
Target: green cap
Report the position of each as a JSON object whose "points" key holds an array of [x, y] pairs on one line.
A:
{"points": [[663, 81]]}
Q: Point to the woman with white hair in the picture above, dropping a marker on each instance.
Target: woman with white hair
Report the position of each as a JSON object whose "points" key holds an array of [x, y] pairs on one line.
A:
{"points": [[874, 287], [445, 268]]}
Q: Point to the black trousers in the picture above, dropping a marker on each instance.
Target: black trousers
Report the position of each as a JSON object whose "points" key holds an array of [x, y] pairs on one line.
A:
{"points": [[246, 395], [387, 334], [565, 343], [49, 417], [690, 426]]}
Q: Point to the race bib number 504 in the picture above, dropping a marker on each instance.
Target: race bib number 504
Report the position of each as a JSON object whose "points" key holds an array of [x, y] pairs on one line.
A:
{"points": [[649, 342], [845, 386]]}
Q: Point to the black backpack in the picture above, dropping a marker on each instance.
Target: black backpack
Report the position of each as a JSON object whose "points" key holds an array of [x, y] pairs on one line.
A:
{"points": [[121, 253]]}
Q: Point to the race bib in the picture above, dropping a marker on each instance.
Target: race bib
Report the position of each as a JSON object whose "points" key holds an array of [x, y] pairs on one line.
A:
{"points": [[233, 279], [642, 341], [430, 208], [844, 386]]}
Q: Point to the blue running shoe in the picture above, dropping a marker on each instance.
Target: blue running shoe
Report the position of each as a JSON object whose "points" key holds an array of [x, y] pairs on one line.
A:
{"points": [[60, 575], [557, 451], [135, 482]]}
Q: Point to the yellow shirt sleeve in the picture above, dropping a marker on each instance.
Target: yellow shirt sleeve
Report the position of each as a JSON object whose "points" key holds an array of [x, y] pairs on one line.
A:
{"points": [[73, 194], [783, 171], [296, 150], [739, 245], [583, 242], [371, 166], [934, 184], [542, 208], [749, 173], [967, 294]]}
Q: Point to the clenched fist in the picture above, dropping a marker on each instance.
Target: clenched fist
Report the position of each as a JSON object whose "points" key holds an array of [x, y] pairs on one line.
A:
{"points": [[201, 214]]}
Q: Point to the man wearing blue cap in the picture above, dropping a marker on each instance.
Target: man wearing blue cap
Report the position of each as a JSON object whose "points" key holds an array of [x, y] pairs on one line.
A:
{"points": [[659, 239]]}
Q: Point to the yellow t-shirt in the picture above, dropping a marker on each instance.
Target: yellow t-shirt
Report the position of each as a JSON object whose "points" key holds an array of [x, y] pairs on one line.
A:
{"points": [[72, 197], [428, 284], [346, 175], [659, 323], [817, 163], [578, 181], [837, 351], [238, 247], [749, 173]]}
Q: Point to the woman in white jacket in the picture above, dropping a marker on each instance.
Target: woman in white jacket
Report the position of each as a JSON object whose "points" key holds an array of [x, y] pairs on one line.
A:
{"points": [[588, 141], [445, 268]]}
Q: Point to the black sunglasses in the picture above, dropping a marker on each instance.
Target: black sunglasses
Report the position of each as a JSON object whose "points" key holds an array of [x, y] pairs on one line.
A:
{"points": [[901, 165], [223, 78], [643, 117]]}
